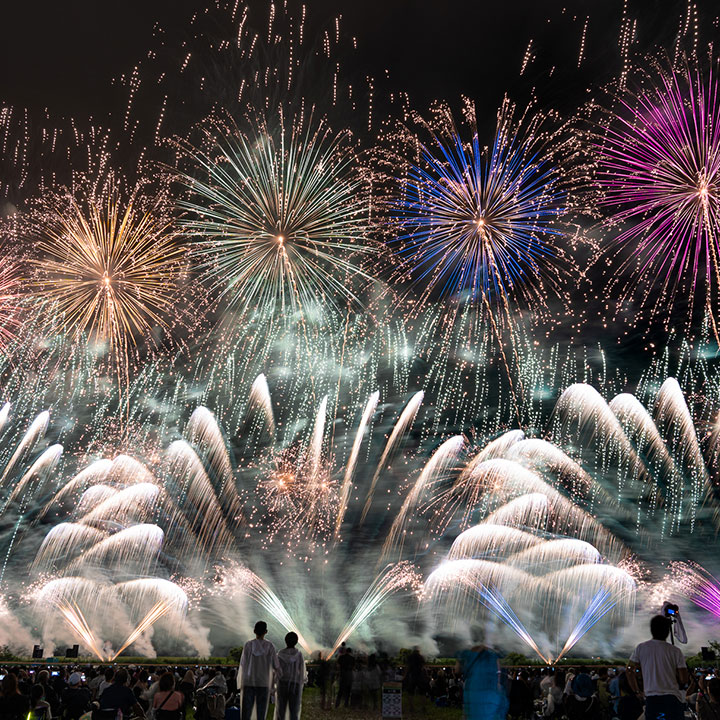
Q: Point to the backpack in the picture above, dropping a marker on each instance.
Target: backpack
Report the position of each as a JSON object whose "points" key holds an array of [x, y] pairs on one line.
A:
{"points": [[215, 705]]}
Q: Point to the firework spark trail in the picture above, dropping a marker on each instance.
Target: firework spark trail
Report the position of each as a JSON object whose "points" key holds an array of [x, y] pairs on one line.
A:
{"points": [[443, 458], [256, 588], [62, 540], [352, 460], [203, 430], [140, 544], [42, 467], [696, 583], [74, 617], [405, 420], [601, 604], [494, 601], [316, 441], [640, 427], [401, 576], [160, 609], [260, 397], [35, 432], [671, 408]]}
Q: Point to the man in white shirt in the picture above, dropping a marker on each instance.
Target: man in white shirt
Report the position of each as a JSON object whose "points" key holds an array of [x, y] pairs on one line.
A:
{"points": [[258, 665], [663, 670]]}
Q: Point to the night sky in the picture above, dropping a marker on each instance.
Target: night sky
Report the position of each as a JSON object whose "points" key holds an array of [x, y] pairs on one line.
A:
{"points": [[63, 55]]}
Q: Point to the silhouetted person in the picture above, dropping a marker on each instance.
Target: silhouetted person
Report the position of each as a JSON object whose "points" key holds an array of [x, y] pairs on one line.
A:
{"points": [[13, 704], [346, 664], [629, 706], [415, 676], [120, 697], [322, 679], [39, 707], [581, 703], [75, 698], [708, 700], [521, 697], [662, 669], [168, 702]]}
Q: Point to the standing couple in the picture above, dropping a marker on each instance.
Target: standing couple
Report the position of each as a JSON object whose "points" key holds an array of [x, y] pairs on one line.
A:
{"points": [[262, 669]]}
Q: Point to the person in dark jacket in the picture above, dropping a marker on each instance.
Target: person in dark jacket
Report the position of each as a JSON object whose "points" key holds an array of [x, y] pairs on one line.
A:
{"points": [[13, 704], [76, 698]]}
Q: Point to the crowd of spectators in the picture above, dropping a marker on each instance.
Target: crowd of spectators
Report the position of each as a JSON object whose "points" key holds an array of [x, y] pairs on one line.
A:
{"points": [[654, 684]]}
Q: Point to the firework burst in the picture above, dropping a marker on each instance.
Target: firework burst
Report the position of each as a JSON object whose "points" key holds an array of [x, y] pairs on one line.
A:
{"points": [[279, 216], [658, 166], [476, 230], [109, 268], [475, 222]]}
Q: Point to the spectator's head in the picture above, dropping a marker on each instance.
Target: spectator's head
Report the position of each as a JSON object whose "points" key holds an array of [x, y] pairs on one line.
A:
{"points": [[713, 688], [109, 674], [43, 677], [660, 627], [9, 685], [291, 639], [167, 682], [121, 677], [260, 629], [75, 679], [37, 692], [582, 685]]}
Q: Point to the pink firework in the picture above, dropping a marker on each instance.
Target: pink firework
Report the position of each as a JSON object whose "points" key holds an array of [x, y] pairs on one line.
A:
{"points": [[658, 163], [698, 584]]}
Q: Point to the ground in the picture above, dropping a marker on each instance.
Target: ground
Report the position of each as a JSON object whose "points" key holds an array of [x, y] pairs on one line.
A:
{"points": [[311, 710]]}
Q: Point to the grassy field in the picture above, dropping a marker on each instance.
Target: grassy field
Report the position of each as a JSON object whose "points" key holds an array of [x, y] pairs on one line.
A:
{"points": [[311, 710]]}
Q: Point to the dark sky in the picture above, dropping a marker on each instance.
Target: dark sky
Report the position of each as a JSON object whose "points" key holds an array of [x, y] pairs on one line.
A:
{"points": [[63, 54]]}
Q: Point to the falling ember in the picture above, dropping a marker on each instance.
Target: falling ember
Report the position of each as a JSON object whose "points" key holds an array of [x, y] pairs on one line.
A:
{"points": [[76, 621]]}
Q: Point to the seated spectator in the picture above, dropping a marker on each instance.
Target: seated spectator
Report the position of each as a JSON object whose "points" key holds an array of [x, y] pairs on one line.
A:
{"points": [[521, 697], [13, 704], [51, 696], [581, 703], [555, 698], [39, 707], [168, 702], [629, 706], [120, 697], [106, 682], [75, 698]]}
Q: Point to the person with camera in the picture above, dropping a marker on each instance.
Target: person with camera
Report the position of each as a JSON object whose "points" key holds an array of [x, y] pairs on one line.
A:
{"points": [[663, 671]]}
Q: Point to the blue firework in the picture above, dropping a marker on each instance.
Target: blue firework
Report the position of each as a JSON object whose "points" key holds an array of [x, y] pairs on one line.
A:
{"points": [[476, 223]]}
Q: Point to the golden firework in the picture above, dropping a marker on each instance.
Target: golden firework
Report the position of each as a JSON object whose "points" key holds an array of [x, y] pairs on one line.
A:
{"points": [[110, 269]]}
